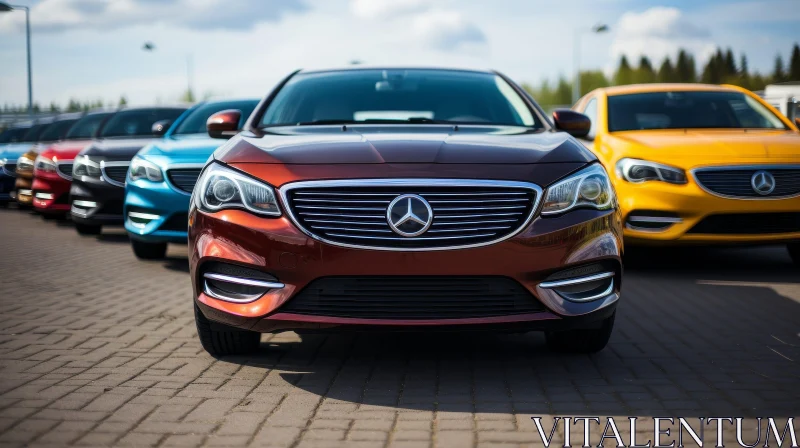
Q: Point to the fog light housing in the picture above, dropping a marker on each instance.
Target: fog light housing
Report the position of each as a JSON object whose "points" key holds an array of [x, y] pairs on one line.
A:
{"points": [[236, 284]]}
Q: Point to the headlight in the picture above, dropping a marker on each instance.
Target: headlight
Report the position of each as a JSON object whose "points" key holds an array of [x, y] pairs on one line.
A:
{"points": [[84, 166], [588, 188], [637, 171], [220, 188], [24, 164], [45, 164], [142, 169]]}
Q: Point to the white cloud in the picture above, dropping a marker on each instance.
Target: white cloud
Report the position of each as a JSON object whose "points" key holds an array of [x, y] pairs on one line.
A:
{"points": [[63, 15], [446, 30], [657, 33], [381, 9]]}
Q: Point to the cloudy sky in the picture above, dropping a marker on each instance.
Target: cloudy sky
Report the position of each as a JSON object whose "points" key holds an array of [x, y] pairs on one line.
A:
{"points": [[92, 49]]}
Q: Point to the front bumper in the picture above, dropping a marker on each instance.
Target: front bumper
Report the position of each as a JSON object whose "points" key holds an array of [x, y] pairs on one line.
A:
{"points": [[23, 186], [51, 193], [686, 206], [7, 182], [96, 202], [155, 212], [276, 247]]}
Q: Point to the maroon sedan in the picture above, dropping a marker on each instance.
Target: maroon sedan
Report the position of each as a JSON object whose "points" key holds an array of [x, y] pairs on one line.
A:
{"points": [[403, 199]]}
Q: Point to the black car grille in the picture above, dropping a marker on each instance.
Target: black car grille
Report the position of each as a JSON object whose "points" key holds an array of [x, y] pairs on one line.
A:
{"points": [[117, 173], [736, 182], [748, 224], [413, 298], [463, 215], [184, 178], [178, 222], [65, 169]]}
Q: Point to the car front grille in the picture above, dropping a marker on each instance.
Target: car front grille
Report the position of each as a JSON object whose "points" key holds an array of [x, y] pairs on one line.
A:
{"points": [[748, 224], [65, 169], [736, 182], [116, 173], [464, 213], [413, 298], [184, 178]]}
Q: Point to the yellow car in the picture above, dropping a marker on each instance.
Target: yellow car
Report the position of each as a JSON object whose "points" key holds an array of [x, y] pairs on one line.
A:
{"points": [[698, 163]]}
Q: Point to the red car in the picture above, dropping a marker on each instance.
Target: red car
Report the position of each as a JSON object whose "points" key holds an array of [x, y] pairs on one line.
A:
{"points": [[403, 199], [53, 167]]}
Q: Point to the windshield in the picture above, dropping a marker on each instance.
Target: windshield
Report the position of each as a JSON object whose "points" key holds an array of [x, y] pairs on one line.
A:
{"points": [[87, 126], [57, 130], [137, 122], [380, 96], [33, 133], [13, 135], [684, 110], [195, 123]]}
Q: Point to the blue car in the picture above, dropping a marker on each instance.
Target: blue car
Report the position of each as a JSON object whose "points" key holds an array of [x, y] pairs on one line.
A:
{"points": [[13, 144], [162, 175]]}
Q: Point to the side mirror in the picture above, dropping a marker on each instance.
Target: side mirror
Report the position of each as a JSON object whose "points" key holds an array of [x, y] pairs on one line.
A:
{"points": [[571, 122], [224, 124], [797, 122], [160, 127]]}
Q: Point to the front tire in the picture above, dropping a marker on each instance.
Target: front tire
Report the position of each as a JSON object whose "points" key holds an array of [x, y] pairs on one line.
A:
{"points": [[581, 340], [794, 252], [218, 342], [149, 251], [88, 229]]}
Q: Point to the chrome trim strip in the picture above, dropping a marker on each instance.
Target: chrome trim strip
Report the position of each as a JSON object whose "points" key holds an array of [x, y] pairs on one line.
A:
{"points": [[284, 190], [575, 281], [139, 215], [743, 168], [43, 195], [86, 204], [647, 229], [104, 164], [243, 281], [241, 298], [64, 176], [657, 219]]}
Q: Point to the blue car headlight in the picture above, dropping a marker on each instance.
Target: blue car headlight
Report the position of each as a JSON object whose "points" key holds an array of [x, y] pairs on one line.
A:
{"points": [[142, 169]]}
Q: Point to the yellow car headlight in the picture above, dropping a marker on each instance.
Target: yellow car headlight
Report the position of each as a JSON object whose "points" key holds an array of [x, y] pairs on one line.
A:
{"points": [[638, 171]]}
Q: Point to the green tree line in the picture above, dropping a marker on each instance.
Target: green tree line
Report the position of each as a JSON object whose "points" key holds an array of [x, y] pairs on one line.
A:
{"points": [[722, 68]]}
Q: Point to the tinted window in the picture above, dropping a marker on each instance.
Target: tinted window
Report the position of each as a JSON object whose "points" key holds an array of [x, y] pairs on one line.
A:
{"points": [[591, 112], [86, 127], [195, 123], [33, 133], [397, 96], [683, 110], [57, 130], [137, 122], [12, 135]]}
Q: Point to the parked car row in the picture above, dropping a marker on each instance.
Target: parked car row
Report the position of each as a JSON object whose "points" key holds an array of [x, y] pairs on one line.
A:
{"points": [[419, 198]]}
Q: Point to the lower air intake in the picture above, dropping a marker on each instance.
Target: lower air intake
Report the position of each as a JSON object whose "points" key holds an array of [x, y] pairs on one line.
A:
{"points": [[413, 298]]}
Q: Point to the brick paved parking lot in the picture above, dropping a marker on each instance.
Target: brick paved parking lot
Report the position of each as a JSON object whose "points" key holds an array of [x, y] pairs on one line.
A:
{"points": [[99, 349]]}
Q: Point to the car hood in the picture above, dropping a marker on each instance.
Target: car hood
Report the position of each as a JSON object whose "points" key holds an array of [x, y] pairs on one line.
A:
{"points": [[65, 150], [721, 146], [115, 149], [413, 144], [180, 149], [12, 151]]}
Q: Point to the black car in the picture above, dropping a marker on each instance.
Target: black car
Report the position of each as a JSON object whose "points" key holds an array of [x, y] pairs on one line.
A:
{"points": [[100, 170]]}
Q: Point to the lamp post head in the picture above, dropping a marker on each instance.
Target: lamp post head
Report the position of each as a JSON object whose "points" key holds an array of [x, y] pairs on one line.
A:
{"points": [[148, 46], [600, 28], [5, 7]]}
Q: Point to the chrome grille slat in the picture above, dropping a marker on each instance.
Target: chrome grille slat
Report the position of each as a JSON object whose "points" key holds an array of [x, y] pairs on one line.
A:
{"points": [[735, 181], [465, 213]]}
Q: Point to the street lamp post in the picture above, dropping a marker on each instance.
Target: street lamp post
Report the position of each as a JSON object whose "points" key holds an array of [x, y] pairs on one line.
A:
{"points": [[5, 7], [576, 83], [149, 46]]}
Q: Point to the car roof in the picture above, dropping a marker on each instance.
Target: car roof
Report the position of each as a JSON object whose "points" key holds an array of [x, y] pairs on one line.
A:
{"points": [[663, 87], [390, 67]]}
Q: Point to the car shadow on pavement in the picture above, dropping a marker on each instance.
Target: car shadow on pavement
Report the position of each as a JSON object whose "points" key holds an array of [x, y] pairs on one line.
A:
{"points": [[681, 347], [113, 237]]}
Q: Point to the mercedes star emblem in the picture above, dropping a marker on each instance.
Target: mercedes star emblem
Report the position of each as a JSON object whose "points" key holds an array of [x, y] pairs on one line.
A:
{"points": [[409, 215], [762, 182]]}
